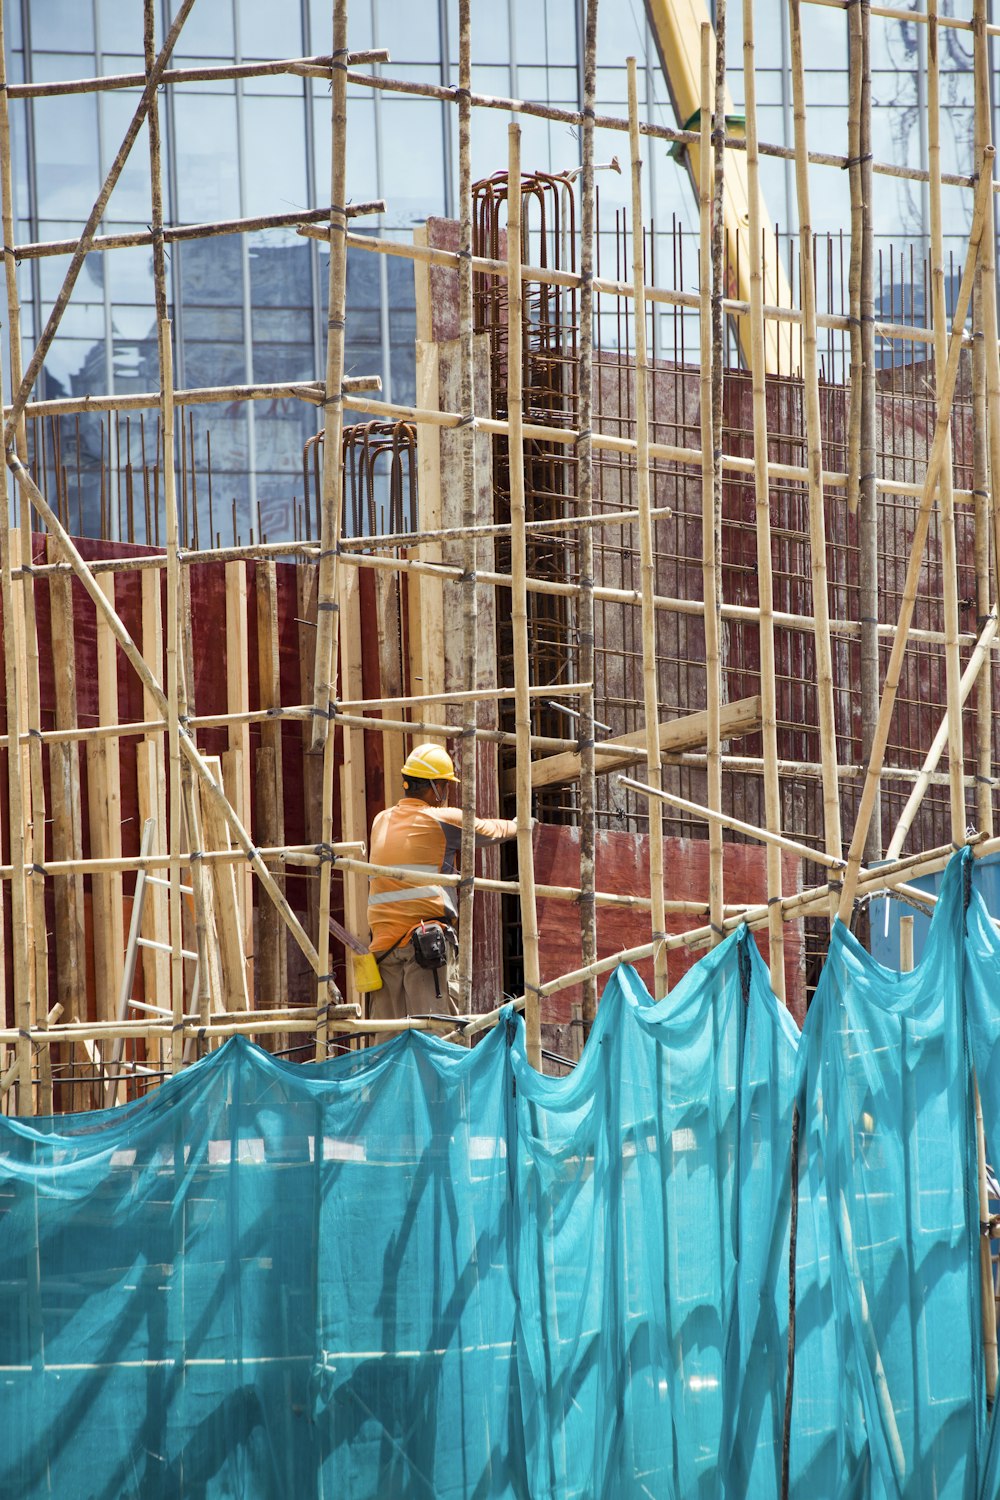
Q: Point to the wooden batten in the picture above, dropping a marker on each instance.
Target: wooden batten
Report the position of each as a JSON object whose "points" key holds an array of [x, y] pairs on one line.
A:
{"points": [[236, 765], [270, 951]]}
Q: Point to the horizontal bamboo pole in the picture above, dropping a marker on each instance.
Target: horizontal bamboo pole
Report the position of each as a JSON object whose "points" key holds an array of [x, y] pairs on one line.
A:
{"points": [[228, 72], [897, 13], [176, 234], [292, 390], [305, 855], [495, 528], [553, 276], [614, 122]]}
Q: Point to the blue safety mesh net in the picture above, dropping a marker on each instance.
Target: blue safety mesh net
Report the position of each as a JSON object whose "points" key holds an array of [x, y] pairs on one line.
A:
{"points": [[426, 1271]]}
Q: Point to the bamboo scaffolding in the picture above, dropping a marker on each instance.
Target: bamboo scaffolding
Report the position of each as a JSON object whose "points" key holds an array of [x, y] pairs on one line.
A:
{"points": [[710, 247], [153, 76], [586, 629], [814, 447], [519, 604], [981, 463], [949, 561], [650, 693], [921, 523], [762, 498], [470, 592], [327, 659]]}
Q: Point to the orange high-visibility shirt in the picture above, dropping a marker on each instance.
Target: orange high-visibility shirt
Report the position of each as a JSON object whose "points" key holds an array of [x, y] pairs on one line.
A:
{"points": [[425, 840]]}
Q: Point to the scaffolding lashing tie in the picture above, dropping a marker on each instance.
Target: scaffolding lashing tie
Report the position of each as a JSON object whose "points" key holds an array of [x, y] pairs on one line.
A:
{"points": [[325, 854]]}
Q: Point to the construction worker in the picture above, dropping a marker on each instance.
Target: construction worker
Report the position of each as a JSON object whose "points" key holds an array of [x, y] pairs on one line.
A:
{"points": [[413, 936]]}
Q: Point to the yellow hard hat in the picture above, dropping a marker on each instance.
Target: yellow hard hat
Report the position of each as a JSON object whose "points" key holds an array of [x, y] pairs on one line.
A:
{"points": [[429, 763]]}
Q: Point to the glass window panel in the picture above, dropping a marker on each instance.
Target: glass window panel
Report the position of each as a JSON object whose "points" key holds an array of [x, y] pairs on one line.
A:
{"points": [[411, 32], [211, 271], [75, 367], [67, 176], [207, 32], [130, 276], [71, 21], [269, 30], [52, 268], [554, 85], [119, 29], [280, 274], [207, 160], [130, 197], [214, 364], [412, 179], [274, 150], [546, 28]]}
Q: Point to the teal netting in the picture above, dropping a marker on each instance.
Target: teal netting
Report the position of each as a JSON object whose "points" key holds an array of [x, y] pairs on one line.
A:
{"points": [[421, 1271]]}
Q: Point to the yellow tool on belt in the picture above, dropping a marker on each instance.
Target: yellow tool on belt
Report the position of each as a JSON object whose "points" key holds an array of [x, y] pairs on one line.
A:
{"points": [[364, 967]]}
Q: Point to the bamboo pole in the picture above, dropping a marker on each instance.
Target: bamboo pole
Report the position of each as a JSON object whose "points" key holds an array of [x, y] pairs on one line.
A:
{"points": [[299, 390], [175, 903], [19, 932], [991, 373], [814, 447], [921, 522], [83, 245], [711, 471], [783, 619], [519, 604], [175, 234], [650, 693], [109, 82], [765, 582], [328, 617], [470, 605], [585, 515], [949, 561], [868, 511], [33, 796], [980, 468], [556, 276], [855, 85]]}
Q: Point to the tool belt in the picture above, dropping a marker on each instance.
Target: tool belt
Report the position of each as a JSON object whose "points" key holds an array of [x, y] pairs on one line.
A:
{"points": [[430, 945]]}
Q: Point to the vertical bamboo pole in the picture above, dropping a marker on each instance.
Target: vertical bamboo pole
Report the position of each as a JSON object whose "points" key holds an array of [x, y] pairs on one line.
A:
{"points": [[711, 540], [271, 955], [991, 373], [15, 805], [33, 794], [650, 696], [981, 501], [328, 619], [949, 561], [868, 523], [519, 600], [175, 1050], [470, 621], [765, 583], [855, 76], [585, 543], [814, 452], [988, 288]]}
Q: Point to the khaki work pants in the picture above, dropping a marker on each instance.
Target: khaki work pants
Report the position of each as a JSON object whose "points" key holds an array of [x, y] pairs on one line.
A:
{"points": [[409, 990]]}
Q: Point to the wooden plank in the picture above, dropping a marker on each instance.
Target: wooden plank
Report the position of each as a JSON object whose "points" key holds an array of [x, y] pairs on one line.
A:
{"points": [[353, 788], [151, 771], [676, 735], [236, 765], [105, 806], [269, 832], [307, 586], [215, 832], [64, 791]]}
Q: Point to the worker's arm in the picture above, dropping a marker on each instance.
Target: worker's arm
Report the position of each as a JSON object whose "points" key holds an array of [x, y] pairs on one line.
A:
{"points": [[488, 830]]}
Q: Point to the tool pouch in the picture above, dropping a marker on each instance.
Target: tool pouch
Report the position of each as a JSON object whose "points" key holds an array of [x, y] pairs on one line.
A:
{"points": [[430, 946]]}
